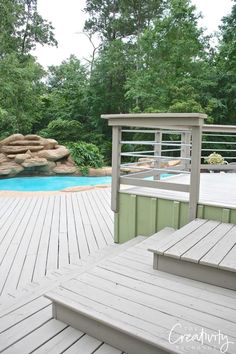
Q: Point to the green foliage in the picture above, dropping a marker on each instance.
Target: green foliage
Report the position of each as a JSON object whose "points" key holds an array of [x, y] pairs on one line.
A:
{"points": [[173, 58], [153, 57], [63, 130], [85, 155], [120, 19], [21, 28], [225, 76], [107, 85], [67, 93], [20, 90]]}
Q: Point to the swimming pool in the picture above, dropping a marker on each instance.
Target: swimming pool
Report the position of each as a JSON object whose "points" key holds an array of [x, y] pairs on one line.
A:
{"points": [[35, 184], [44, 184]]}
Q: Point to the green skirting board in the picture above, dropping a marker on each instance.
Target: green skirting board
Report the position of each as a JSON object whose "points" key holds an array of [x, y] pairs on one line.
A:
{"points": [[142, 215]]}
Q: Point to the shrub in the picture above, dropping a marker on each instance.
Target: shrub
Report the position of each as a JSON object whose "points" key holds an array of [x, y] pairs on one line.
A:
{"points": [[85, 155], [63, 130], [215, 159]]}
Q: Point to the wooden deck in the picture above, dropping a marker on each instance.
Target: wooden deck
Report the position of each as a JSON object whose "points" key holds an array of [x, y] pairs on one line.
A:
{"points": [[63, 246], [203, 250], [127, 304], [39, 235], [27, 324], [29, 227], [217, 189]]}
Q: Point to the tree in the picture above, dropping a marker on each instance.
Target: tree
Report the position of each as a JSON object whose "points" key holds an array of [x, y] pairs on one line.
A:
{"points": [[21, 88], [107, 84], [119, 19], [225, 62], [173, 57], [66, 96], [21, 27], [20, 91]]}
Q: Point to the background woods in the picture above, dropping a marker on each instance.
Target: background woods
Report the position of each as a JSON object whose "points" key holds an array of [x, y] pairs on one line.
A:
{"points": [[152, 57]]}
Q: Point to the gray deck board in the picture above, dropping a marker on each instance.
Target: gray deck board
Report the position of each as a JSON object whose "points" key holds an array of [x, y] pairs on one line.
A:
{"points": [[229, 262], [216, 254], [189, 242], [163, 244], [199, 250], [41, 234], [40, 266]]}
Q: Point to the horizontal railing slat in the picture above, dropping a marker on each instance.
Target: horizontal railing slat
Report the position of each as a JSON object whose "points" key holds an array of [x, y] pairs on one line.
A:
{"points": [[155, 184]]}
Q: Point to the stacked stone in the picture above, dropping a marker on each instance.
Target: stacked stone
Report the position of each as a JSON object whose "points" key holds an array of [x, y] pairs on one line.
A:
{"points": [[32, 154]]}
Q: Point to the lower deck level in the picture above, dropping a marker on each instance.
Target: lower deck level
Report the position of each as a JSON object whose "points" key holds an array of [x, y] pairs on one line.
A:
{"points": [[144, 211]]}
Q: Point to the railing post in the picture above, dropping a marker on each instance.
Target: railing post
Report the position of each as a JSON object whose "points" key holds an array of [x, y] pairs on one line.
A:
{"points": [[185, 149], [195, 171], [157, 152], [116, 159]]}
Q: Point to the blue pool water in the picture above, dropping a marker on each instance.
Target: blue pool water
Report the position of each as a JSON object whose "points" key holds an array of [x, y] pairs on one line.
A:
{"points": [[31, 184]]}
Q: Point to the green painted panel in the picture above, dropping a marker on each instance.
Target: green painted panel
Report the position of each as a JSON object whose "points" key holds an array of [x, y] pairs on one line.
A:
{"points": [[140, 215], [225, 215], [146, 216], [175, 214], [127, 217], [233, 216], [212, 213], [183, 215], [116, 227], [200, 211], [164, 213]]}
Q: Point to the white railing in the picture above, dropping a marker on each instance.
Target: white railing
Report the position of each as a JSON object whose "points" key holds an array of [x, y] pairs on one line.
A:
{"points": [[185, 146], [170, 143], [222, 140]]}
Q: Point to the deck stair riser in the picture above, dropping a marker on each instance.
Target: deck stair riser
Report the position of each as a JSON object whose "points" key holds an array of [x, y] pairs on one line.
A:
{"points": [[104, 331], [203, 250]]}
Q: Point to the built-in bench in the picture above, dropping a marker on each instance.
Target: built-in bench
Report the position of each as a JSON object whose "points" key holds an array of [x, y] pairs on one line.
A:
{"points": [[203, 250]]}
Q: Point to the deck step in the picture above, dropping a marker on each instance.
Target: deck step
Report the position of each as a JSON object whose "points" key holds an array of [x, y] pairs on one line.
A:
{"points": [[123, 302], [90, 309], [203, 250]]}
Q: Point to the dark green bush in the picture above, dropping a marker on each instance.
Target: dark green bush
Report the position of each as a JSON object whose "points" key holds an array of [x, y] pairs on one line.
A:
{"points": [[85, 155], [63, 130]]}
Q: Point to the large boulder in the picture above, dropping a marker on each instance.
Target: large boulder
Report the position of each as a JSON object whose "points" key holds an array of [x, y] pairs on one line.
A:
{"points": [[47, 169], [34, 162], [19, 158], [25, 143], [19, 149], [64, 170], [10, 169], [32, 154], [3, 158], [11, 138], [54, 155], [32, 137]]}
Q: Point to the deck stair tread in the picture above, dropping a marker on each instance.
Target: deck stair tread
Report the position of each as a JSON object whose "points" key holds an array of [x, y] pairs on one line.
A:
{"points": [[26, 321], [136, 308], [205, 242]]}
